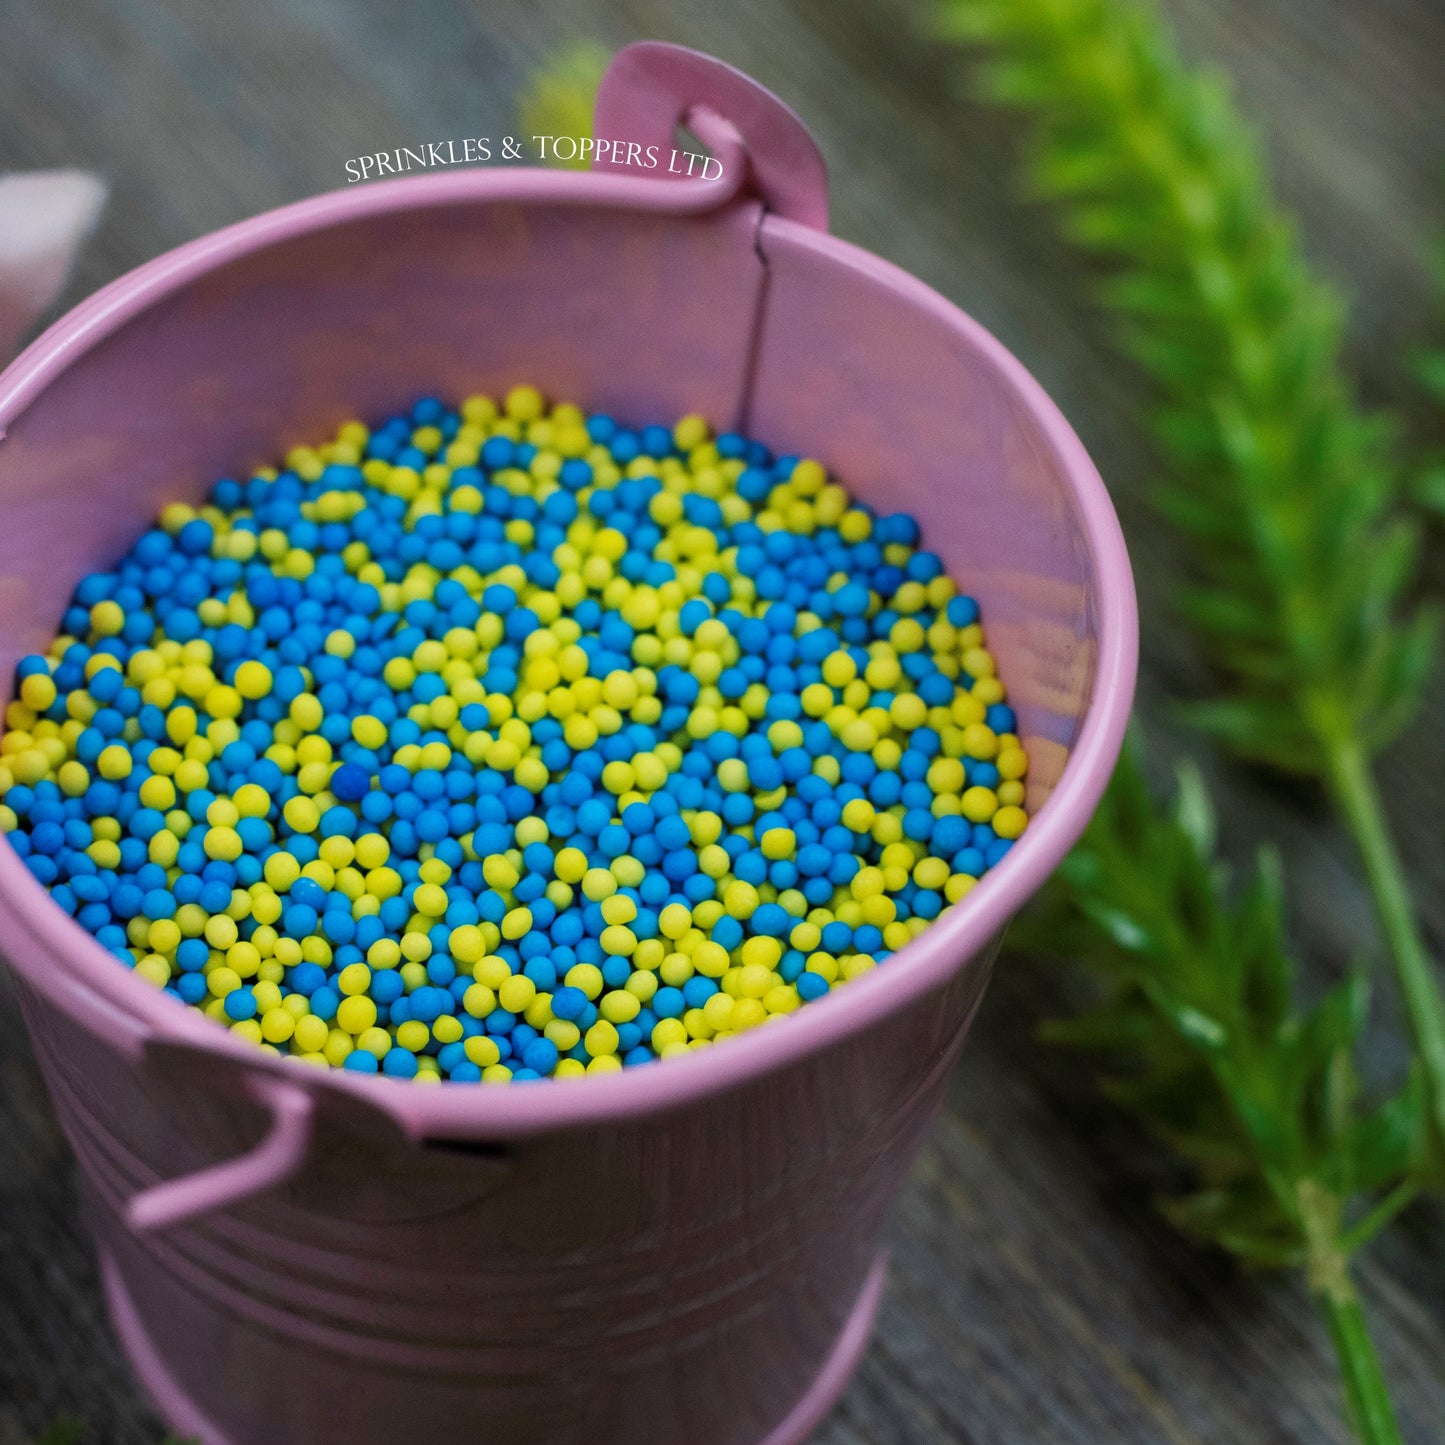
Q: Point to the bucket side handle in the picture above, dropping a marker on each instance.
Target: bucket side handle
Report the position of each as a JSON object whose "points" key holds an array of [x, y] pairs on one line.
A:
{"points": [[275, 1158], [278, 1155], [651, 88]]}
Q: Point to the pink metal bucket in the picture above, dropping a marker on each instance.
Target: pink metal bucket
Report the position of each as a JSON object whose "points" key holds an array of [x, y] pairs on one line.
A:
{"points": [[683, 1253]]}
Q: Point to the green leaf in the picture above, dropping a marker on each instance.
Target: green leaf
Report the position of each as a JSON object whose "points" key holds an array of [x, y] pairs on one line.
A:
{"points": [[1389, 1143], [1427, 488], [1429, 371], [1123, 929], [1113, 1029], [1243, 1218], [1194, 1025], [1261, 729]]}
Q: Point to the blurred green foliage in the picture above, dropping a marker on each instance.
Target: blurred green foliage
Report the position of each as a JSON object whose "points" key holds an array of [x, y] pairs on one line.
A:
{"points": [[1287, 492], [558, 100]]}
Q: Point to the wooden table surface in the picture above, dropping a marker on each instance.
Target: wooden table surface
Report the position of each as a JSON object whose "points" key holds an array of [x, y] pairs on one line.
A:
{"points": [[1035, 1295]]}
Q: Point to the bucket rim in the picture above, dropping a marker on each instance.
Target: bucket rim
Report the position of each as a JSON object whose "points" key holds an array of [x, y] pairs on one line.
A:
{"points": [[950, 944]]}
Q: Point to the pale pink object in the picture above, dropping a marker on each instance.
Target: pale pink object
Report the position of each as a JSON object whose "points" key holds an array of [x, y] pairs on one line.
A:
{"points": [[686, 1254], [44, 217]]}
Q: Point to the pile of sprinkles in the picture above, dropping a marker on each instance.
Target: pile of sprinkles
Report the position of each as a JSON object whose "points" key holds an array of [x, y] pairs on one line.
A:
{"points": [[507, 742]]}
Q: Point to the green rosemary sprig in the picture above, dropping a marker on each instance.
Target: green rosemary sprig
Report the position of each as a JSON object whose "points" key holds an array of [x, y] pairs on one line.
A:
{"points": [[1286, 492], [1202, 1036]]}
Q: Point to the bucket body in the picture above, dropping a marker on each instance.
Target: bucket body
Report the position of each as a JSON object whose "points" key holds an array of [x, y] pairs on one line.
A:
{"points": [[683, 1277], [684, 1253]]}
